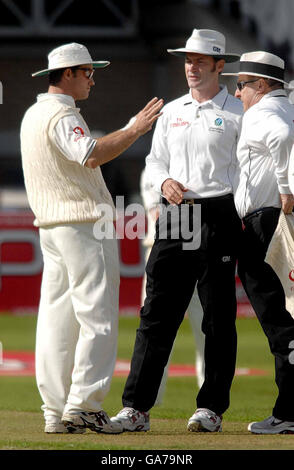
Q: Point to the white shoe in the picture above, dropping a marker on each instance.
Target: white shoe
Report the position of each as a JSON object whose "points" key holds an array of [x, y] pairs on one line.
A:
{"points": [[205, 420], [96, 421], [59, 428], [271, 425], [132, 420]]}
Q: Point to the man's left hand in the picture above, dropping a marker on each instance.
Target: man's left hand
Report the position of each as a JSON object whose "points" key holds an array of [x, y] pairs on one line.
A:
{"points": [[287, 203]]}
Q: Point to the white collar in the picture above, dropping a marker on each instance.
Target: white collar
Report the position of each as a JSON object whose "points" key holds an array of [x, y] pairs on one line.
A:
{"points": [[218, 100], [65, 99], [279, 92]]}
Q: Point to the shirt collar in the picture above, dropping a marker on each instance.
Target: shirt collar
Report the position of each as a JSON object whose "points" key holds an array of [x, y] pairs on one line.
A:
{"points": [[279, 92], [65, 99], [217, 101]]}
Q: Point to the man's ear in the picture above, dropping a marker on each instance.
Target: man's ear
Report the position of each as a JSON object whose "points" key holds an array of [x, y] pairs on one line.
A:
{"points": [[67, 74], [220, 65], [262, 85]]}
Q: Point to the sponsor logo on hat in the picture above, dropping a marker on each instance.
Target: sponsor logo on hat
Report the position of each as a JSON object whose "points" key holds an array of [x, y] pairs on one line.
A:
{"points": [[216, 49]]}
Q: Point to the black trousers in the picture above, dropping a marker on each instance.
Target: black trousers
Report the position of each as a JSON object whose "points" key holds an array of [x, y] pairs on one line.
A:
{"points": [[171, 277], [267, 297]]}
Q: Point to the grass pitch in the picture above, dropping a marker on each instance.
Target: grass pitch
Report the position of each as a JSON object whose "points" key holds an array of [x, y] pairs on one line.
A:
{"points": [[252, 398]]}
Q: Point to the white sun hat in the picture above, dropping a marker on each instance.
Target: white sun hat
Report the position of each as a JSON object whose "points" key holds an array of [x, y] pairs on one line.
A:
{"points": [[261, 64], [69, 55], [207, 42]]}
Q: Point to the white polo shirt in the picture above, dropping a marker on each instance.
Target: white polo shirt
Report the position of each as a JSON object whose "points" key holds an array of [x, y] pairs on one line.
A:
{"points": [[263, 152], [195, 144], [71, 135], [291, 171]]}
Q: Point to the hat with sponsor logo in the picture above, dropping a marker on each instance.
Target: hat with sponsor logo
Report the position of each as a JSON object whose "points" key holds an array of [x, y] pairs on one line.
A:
{"points": [[207, 42], [69, 55], [261, 64]]}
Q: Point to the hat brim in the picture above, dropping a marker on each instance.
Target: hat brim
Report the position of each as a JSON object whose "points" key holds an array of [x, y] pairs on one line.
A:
{"points": [[227, 57], [96, 65], [251, 74]]}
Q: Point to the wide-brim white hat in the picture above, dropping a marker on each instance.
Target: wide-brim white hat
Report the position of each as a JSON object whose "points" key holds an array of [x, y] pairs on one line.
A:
{"points": [[261, 64], [69, 55], [207, 42]]}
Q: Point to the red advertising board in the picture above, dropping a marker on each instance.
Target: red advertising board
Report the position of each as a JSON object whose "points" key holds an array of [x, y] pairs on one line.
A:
{"points": [[21, 268]]}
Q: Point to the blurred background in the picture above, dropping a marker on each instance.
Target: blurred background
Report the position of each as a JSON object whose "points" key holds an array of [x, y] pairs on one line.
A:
{"points": [[134, 36]]}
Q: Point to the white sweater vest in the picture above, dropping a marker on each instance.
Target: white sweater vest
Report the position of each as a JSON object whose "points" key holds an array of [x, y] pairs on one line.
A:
{"points": [[59, 191]]}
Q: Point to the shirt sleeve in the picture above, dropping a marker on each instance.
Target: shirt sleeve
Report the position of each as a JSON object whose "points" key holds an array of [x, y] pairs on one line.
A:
{"points": [[73, 140], [151, 198], [279, 140], [158, 160]]}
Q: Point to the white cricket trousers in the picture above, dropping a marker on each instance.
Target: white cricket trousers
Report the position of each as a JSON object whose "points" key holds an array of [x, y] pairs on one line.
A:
{"points": [[77, 327]]}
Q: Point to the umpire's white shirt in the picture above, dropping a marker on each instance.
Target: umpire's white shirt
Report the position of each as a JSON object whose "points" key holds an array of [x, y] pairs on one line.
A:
{"points": [[291, 171], [263, 152], [195, 144]]}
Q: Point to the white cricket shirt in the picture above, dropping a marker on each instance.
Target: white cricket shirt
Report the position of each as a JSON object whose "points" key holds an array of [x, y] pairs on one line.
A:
{"points": [[263, 152], [291, 171], [71, 135], [195, 144]]}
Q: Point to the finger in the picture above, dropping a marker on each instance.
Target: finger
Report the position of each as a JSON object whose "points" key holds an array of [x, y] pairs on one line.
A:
{"points": [[155, 107], [154, 118], [150, 103], [183, 187], [177, 192], [154, 113]]}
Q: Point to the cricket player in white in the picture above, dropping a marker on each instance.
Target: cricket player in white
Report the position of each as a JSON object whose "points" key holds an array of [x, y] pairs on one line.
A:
{"points": [[78, 315]]}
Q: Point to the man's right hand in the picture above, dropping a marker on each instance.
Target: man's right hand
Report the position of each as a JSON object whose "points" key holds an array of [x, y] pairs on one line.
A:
{"points": [[147, 116], [173, 191]]}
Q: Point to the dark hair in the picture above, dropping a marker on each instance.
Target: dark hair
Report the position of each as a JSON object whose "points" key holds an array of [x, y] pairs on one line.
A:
{"points": [[216, 59], [56, 75], [274, 83]]}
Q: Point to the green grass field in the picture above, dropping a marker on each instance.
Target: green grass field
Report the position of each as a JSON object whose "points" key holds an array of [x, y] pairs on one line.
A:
{"points": [[252, 398]]}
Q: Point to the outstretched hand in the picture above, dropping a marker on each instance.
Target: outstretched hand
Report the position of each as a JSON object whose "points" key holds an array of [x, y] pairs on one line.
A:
{"points": [[147, 116]]}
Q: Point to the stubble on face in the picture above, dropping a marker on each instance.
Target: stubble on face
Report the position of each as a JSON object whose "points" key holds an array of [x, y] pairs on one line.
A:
{"points": [[202, 74]]}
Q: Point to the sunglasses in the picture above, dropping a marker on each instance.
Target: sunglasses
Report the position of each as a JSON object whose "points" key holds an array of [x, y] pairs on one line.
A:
{"points": [[88, 72], [241, 85]]}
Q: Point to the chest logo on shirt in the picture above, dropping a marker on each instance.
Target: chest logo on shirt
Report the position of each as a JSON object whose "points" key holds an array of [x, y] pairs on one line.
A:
{"points": [[218, 125], [79, 132], [179, 122]]}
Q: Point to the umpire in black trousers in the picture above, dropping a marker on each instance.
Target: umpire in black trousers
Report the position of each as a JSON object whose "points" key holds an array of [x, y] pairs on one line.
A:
{"points": [[263, 152], [172, 273], [191, 163]]}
